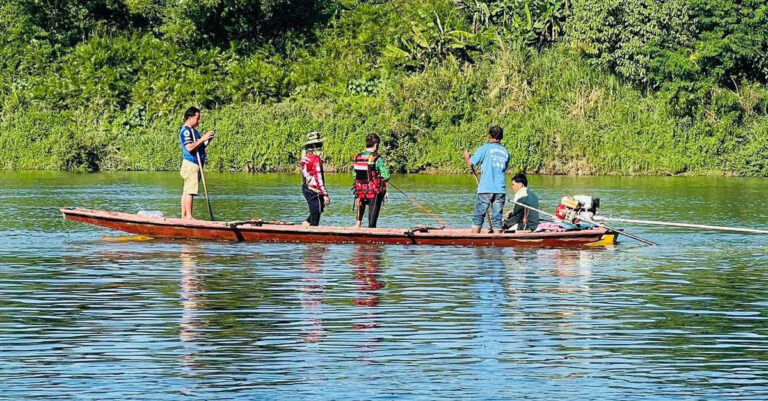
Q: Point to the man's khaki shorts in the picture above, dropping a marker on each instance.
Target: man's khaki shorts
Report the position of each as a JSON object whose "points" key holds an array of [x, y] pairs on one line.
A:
{"points": [[190, 172]]}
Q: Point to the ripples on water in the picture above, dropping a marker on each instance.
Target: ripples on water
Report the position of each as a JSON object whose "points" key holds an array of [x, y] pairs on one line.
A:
{"points": [[85, 313]]}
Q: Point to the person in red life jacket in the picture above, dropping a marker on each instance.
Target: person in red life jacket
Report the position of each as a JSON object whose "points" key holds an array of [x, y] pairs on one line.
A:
{"points": [[371, 176], [313, 179]]}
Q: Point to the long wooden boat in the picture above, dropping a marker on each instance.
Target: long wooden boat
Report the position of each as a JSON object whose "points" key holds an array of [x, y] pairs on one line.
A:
{"points": [[261, 231]]}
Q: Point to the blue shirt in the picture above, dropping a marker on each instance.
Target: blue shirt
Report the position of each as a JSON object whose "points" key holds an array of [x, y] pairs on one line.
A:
{"points": [[189, 135], [495, 160]]}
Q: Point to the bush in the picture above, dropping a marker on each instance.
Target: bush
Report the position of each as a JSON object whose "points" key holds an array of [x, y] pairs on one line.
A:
{"points": [[686, 48]]}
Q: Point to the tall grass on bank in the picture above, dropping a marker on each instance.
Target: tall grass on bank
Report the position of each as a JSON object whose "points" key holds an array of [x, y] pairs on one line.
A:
{"points": [[560, 116]]}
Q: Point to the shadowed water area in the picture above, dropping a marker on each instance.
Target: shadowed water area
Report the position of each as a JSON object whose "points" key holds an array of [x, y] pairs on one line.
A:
{"points": [[90, 313]]}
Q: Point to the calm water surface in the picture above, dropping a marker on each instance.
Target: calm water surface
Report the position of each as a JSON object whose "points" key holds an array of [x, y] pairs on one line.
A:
{"points": [[86, 313]]}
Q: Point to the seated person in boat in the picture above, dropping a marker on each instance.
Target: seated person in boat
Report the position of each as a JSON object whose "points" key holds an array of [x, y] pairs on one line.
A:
{"points": [[371, 176], [493, 158], [313, 179], [520, 217], [193, 156]]}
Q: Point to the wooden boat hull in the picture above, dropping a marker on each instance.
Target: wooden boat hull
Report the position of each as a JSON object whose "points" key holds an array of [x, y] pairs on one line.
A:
{"points": [[161, 227]]}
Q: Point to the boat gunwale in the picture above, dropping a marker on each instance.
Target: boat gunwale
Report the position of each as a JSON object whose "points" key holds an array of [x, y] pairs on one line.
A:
{"points": [[329, 230]]}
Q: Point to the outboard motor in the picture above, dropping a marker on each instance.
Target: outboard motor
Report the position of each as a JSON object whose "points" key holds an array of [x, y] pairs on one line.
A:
{"points": [[579, 207]]}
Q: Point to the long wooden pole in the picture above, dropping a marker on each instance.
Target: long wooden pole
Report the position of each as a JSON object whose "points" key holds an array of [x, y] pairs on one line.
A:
{"points": [[487, 213], [202, 174], [682, 225], [420, 206], [624, 233], [205, 187]]}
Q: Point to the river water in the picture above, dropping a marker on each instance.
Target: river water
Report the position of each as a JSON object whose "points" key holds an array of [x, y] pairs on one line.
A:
{"points": [[86, 313]]}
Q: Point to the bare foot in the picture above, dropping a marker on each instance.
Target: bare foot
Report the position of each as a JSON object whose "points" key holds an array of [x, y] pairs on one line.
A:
{"points": [[305, 223]]}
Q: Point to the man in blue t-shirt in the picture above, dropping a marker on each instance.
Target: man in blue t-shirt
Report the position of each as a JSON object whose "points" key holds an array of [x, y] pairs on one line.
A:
{"points": [[492, 189], [192, 146]]}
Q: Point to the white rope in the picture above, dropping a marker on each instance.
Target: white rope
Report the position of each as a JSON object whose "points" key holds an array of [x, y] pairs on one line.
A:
{"points": [[682, 225]]}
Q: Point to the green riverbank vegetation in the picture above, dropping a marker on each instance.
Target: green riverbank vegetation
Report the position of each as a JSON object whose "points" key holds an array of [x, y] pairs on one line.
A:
{"points": [[581, 86]]}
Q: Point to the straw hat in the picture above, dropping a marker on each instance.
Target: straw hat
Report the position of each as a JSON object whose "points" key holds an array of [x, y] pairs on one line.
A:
{"points": [[313, 138]]}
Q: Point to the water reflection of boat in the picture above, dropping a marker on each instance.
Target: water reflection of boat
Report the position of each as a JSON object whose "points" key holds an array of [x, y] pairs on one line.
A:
{"points": [[573, 262], [259, 231]]}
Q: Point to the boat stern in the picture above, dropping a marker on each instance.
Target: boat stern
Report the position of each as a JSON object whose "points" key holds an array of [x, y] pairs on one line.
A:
{"points": [[607, 239]]}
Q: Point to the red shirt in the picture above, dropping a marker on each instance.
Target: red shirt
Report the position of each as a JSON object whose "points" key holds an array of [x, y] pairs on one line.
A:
{"points": [[312, 173]]}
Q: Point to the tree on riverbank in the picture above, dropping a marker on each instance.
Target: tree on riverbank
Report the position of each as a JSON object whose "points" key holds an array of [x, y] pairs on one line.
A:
{"points": [[582, 86]]}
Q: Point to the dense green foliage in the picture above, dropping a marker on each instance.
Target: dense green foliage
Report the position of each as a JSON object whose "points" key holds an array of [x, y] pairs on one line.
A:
{"points": [[581, 86], [689, 49]]}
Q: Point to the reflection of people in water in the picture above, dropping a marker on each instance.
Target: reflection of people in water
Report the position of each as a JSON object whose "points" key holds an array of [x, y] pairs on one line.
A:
{"points": [[490, 299], [192, 286], [313, 291], [367, 261]]}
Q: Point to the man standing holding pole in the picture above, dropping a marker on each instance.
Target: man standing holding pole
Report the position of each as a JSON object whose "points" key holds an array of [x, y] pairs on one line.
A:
{"points": [[492, 189], [193, 159]]}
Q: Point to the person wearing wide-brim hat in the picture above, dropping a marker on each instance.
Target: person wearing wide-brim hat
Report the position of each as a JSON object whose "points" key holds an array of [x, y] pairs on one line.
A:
{"points": [[313, 178]]}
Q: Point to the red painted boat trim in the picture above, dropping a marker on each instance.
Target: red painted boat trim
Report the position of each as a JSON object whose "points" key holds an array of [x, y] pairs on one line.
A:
{"points": [[161, 227]]}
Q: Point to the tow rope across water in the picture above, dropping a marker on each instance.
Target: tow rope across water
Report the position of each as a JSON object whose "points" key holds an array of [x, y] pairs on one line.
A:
{"points": [[420, 206]]}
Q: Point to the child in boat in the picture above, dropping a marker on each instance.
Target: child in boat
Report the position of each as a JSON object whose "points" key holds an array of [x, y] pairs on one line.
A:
{"points": [[313, 179]]}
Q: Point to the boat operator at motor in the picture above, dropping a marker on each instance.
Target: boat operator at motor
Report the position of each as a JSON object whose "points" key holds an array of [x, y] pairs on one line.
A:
{"points": [[520, 217]]}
